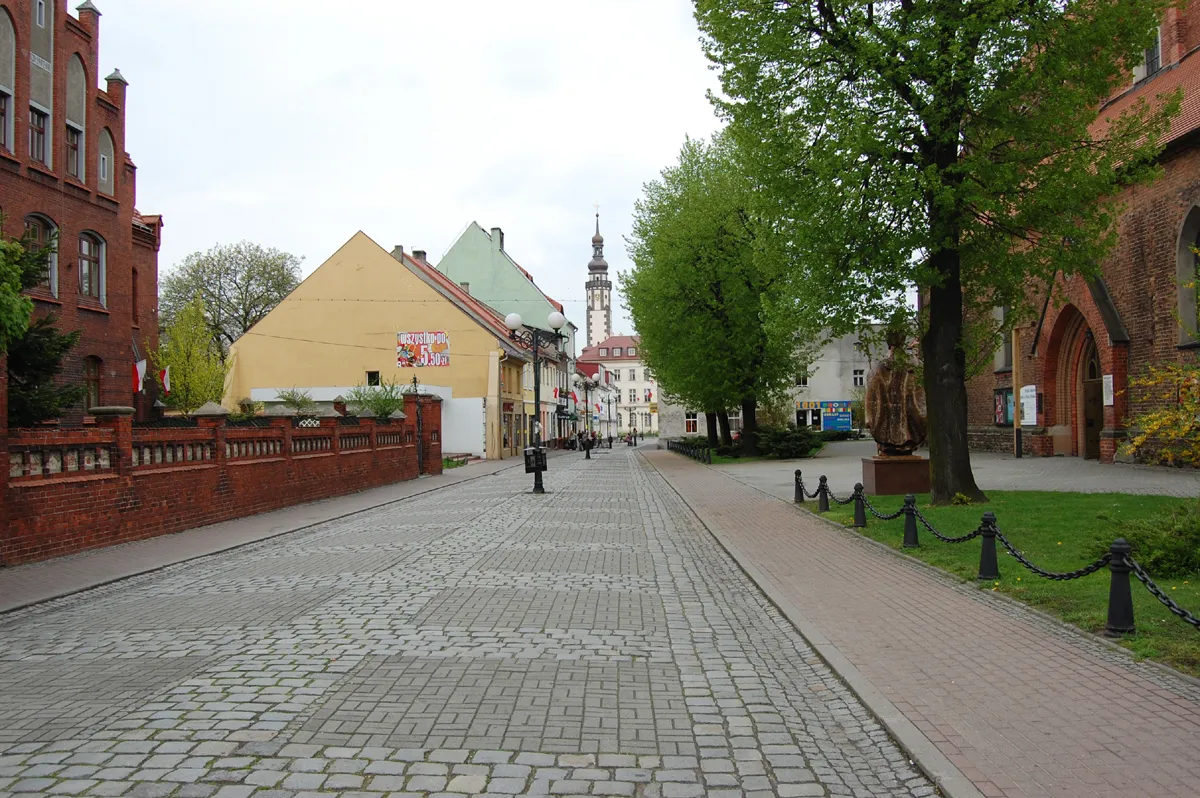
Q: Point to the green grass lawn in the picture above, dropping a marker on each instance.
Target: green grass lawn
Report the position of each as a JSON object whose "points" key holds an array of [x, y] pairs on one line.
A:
{"points": [[1058, 532]]}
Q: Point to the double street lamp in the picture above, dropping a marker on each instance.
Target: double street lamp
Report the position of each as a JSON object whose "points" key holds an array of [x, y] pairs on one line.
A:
{"points": [[587, 385], [536, 338]]}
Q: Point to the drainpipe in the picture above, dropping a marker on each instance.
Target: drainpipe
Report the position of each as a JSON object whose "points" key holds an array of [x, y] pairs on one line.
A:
{"points": [[500, 404]]}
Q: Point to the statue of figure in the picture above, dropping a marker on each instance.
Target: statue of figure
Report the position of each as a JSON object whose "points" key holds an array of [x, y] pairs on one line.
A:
{"points": [[895, 403]]}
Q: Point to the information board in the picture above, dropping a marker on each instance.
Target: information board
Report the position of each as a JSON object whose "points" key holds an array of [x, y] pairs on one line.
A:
{"points": [[1028, 405]]}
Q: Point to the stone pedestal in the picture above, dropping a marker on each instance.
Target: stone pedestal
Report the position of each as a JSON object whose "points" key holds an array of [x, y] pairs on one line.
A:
{"points": [[895, 476]]}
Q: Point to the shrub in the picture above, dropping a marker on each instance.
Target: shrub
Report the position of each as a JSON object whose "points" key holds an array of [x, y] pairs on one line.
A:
{"points": [[382, 399], [831, 435], [1167, 545], [787, 443], [298, 399]]}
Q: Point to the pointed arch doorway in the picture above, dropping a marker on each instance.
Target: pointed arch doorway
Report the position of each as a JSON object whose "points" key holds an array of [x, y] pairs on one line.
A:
{"points": [[1091, 399]]}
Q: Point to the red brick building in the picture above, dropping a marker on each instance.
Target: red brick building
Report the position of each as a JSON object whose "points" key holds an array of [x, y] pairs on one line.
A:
{"points": [[64, 171], [1082, 351]]}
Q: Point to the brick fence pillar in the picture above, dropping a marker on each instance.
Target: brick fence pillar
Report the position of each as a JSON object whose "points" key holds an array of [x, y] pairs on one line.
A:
{"points": [[120, 420], [212, 416]]}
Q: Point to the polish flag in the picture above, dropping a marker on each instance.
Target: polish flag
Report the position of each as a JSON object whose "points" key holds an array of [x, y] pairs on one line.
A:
{"points": [[574, 398], [598, 408], [139, 376], [165, 376], [555, 393]]}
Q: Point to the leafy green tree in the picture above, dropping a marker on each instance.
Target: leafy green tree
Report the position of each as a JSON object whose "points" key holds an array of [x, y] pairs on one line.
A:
{"points": [[239, 283], [383, 399], [17, 258], [709, 292], [950, 145], [197, 368]]}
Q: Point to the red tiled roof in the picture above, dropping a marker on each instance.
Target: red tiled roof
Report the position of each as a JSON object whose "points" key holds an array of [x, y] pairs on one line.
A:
{"points": [[592, 353], [1185, 74]]}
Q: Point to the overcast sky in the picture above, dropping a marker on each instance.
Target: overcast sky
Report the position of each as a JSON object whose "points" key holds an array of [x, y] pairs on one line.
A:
{"points": [[296, 123]]}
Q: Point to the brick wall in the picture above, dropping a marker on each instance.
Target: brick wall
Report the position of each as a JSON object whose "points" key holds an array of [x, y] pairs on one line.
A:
{"points": [[1141, 275], [131, 242], [69, 490]]}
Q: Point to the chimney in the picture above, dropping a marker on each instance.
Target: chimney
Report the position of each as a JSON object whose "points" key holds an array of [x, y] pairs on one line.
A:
{"points": [[497, 239], [465, 286], [116, 90], [398, 252], [419, 254]]}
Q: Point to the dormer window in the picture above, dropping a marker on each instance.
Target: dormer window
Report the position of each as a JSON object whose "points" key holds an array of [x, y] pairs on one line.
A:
{"points": [[616, 351], [603, 351], [1151, 59], [632, 351]]}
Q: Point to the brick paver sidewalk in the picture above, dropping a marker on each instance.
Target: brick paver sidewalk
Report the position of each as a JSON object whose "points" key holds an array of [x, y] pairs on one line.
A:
{"points": [[1022, 705]]}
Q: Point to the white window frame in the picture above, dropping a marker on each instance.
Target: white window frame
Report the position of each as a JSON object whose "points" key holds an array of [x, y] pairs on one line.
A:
{"points": [[632, 351], [633, 396], [603, 351], [633, 375], [41, 13], [616, 351], [1139, 72], [860, 378], [691, 423], [103, 167]]}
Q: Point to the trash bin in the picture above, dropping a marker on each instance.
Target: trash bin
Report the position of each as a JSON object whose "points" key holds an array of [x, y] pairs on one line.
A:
{"points": [[535, 460]]}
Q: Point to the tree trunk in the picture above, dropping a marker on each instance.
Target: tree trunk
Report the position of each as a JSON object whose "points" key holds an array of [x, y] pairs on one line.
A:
{"points": [[710, 421], [723, 423], [750, 427], [946, 386]]}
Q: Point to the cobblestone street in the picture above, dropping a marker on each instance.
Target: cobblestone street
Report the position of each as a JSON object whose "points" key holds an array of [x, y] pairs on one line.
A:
{"points": [[473, 640]]}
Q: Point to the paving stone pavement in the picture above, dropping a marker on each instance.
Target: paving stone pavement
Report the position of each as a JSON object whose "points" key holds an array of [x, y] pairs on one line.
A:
{"points": [[1024, 706], [474, 641], [842, 463]]}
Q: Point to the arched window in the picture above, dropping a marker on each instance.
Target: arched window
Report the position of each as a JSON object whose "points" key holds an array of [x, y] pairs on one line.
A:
{"points": [[8, 79], [76, 118], [106, 169], [91, 266], [41, 231], [91, 382], [1187, 273]]}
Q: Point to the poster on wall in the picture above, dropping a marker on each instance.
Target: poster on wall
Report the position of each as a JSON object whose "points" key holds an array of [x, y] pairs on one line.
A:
{"points": [[1028, 405], [1109, 393], [419, 349], [1004, 407]]}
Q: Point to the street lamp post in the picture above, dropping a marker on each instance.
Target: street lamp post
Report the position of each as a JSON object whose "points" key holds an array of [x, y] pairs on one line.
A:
{"points": [[535, 337], [587, 385]]}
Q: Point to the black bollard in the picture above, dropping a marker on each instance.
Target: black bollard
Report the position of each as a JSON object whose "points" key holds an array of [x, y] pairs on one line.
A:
{"points": [[1120, 600], [910, 522], [823, 495], [988, 567], [860, 507], [799, 497], [709, 451]]}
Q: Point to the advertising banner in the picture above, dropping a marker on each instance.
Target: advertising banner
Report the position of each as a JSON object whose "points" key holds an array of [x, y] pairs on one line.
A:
{"points": [[420, 349], [836, 416]]}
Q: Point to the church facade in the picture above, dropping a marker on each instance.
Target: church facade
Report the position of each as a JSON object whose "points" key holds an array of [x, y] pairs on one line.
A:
{"points": [[1092, 337]]}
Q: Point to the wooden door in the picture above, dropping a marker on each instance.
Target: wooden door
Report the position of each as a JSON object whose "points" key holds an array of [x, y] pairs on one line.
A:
{"points": [[1093, 418]]}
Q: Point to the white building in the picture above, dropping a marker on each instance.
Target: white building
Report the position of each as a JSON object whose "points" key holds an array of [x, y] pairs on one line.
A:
{"points": [[821, 396], [634, 396]]}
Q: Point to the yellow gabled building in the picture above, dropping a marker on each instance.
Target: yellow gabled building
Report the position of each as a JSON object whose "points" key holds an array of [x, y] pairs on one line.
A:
{"points": [[367, 315]]}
